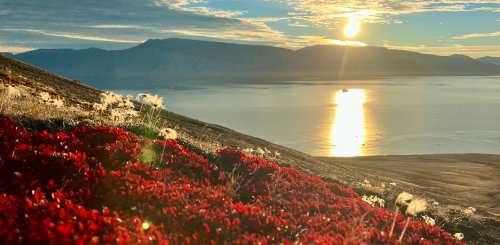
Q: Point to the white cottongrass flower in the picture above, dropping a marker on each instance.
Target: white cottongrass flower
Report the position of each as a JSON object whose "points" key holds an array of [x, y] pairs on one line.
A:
{"points": [[459, 235], [267, 151], [45, 96], [470, 210], [415, 207], [366, 183], [168, 134], [13, 92], [248, 151], [153, 100], [126, 102], [57, 103], [260, 151], [429, 220], [403, 199], [374, 200], [109, 98], [99, 107]]}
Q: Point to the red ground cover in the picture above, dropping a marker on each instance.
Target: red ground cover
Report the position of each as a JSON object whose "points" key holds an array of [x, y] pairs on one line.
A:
{"points": [[106, 185]]}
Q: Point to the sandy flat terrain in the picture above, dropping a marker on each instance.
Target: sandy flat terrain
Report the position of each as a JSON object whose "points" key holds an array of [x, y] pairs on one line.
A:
{"points": [[472, 179]]}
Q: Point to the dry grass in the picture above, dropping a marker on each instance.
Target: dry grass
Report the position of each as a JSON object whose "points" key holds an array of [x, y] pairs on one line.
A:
{"points": [[28, 104]]}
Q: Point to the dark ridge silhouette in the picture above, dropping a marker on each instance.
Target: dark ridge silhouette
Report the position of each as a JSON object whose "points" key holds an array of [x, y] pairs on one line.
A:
{"points": [[159, 63], [8, 54], [491, 60]]}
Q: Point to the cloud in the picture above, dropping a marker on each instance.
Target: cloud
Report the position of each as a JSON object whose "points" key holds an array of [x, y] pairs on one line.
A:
{"points": [[297, 24], [348, 43], [72, 36], [474, 51], [14, 49], [327, 12], [116, 26], [125, 22], [185, 5], [248, 30], [476, 35], [298, 42]]}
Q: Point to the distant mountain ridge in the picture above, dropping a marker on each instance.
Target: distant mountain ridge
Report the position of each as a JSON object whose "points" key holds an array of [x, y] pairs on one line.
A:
{"points": [[158, 63], [491, 60]]}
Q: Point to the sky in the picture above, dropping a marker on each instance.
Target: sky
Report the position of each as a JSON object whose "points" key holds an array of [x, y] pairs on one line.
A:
{"points": [[441, 27]]}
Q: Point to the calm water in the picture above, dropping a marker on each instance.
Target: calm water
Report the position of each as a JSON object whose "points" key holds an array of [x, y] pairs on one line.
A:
{"points": [[352, 118]]}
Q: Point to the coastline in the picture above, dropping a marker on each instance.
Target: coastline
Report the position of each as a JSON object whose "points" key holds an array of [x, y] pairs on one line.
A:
{"points": [[461, 178]]}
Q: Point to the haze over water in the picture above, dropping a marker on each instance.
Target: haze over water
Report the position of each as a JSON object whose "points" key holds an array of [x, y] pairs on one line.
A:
{"points": [[423, 115]]}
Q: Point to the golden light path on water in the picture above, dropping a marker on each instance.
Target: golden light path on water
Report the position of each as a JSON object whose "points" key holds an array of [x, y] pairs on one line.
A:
{"points": [[347, 135]]}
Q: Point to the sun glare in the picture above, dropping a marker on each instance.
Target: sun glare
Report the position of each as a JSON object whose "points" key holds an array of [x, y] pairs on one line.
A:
{"points": [[352, 27], [348, 130]]}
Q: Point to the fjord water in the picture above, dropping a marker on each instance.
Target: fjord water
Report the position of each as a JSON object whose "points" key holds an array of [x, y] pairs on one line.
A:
{"points": [[395, 116]]}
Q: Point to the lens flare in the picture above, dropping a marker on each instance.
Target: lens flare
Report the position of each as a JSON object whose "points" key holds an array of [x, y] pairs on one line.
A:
{"points": [[352, 27]]}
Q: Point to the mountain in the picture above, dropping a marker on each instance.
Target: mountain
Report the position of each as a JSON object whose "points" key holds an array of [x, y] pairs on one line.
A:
{"points": [[158, 63], [491, 60], [8, 54]]}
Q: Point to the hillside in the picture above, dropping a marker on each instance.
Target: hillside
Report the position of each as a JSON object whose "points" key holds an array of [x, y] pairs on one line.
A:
{"points": [[159, 63], [491, 60], [202, 138]]}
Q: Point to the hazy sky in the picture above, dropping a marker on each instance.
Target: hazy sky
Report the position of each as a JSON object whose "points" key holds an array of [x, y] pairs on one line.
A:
{"points": [[429, 26]]}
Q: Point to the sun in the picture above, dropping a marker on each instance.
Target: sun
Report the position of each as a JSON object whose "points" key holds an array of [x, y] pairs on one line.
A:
{"points": [[352, 27]]}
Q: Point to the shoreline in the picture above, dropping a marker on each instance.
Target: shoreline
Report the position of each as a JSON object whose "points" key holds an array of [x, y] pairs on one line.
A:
{"points": [[471, 178]]}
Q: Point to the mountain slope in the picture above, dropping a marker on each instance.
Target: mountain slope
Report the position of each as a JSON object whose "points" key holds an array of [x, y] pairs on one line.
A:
{"points": [[491, 60], [479, 228], [158, 63]]}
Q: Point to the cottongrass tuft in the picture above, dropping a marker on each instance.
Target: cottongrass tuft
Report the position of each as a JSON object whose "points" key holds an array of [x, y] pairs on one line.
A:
{"points": [[415, 207], [120, 110], [168, 134], [152, 117], [429, 220], [153, 100], [470, 210], [459, 236], [45, 96], [57, 103], [126, 102], [12, 92], [109, 98], [403, 199], [260, 151], [374, 200]]}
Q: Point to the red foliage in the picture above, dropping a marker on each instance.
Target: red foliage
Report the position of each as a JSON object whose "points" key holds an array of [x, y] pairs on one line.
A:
{"points": [[105, 185]]}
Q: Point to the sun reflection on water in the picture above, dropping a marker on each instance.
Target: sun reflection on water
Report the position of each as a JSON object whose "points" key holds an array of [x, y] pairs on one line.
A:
{"points": [[347, 135]]}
